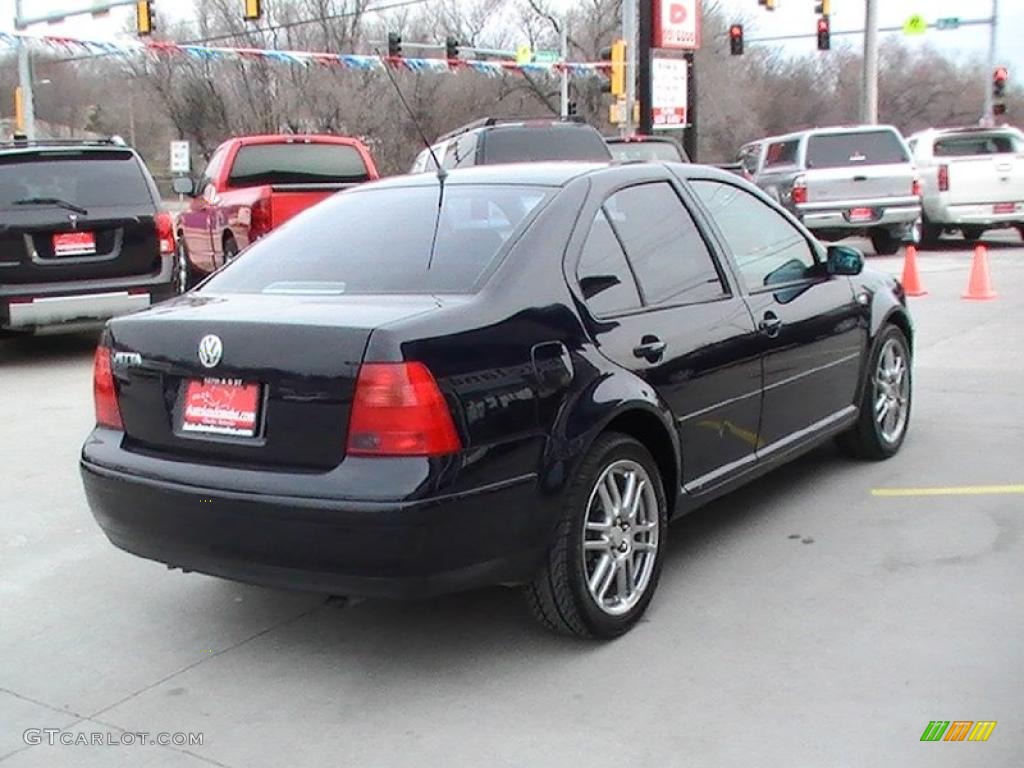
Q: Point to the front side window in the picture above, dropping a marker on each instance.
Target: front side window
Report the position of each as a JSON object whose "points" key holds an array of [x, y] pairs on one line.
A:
{"points": [[670, 258], [603, 273], [767, 249]]}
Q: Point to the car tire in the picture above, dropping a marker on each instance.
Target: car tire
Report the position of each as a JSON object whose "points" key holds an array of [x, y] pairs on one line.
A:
{"points": [[931, 234], [874, 437], [230, 249], [884, 243], [598, 541], [972, 234], [184, 273]]}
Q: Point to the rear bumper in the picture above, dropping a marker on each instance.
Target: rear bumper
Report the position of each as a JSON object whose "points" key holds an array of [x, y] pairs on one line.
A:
{"points": [[80, 304], [833, 217], [491, 535], [978, 214]]}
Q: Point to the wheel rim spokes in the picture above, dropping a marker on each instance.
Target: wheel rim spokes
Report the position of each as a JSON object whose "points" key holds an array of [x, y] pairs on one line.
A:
{"points": [[620, 537], [892, 391]]}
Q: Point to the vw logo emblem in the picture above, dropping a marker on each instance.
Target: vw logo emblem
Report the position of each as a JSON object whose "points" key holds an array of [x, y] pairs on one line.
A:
{"points": [[73, 219], [210, 351]]}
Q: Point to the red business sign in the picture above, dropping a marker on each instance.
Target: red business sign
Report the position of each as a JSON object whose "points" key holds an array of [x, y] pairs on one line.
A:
{"points": [[677, 24]]}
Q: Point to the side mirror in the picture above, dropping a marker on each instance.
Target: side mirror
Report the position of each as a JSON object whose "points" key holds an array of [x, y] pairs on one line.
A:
{"points": [[183, 185], [844, 260]]}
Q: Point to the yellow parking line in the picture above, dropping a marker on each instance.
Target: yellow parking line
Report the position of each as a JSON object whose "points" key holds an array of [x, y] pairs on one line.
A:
{"points": [[963, 490]]}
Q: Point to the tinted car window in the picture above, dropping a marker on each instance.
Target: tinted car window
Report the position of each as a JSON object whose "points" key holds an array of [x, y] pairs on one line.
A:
{"points": [[92, 179], [297, 164], [351, 244], [670, 258], [514, 144], [768, 249], [647, 151], [781, 153], [603, 273], [839, 150], [984, 144]]}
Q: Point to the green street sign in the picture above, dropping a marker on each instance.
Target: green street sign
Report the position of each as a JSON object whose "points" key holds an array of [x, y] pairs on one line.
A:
{"points": [[545, 57], [950, 22], [915, 25]]}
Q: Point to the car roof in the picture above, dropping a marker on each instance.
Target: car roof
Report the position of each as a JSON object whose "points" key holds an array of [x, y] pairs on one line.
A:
{"points": [[548, 174], [834, 129], [964, 131]]}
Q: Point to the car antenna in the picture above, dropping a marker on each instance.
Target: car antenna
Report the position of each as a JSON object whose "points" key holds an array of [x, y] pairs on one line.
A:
{"points": [[442, 174]]}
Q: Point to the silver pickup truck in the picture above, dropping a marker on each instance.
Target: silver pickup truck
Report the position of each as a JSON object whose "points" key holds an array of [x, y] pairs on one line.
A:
{"points": [[972, 179], [845, 181]]}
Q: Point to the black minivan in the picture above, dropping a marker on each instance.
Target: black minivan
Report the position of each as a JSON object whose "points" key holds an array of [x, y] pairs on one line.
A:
{"points": [[83, 237]]}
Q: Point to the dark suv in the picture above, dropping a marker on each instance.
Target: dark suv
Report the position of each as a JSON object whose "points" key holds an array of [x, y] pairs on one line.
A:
{"points": [[494, 140], [82, 235]]}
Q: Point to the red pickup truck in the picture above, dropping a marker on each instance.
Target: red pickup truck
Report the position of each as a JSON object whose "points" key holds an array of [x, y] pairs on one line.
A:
{"points": [[254, 184]]}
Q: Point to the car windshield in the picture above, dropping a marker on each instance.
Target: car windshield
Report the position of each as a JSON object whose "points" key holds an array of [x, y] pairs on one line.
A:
{"points": [[648, 151], [373, 241], [518, 144], [977, 144], [841, 150], [296, 163], [88, 179]]}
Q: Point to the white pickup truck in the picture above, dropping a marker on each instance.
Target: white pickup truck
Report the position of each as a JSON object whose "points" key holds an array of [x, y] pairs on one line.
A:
{"points": [[972, 180]]}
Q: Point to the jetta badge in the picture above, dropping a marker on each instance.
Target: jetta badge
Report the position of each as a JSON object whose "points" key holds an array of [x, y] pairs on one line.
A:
{"points": [[210, 351]]}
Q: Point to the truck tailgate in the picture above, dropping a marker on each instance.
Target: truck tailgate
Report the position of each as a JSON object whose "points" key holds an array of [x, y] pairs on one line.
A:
{"points": [[288, 201], [985, 179]]}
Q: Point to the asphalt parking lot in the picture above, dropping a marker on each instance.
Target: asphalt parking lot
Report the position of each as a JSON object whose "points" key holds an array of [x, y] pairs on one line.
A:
{"points": [[808, 620]]}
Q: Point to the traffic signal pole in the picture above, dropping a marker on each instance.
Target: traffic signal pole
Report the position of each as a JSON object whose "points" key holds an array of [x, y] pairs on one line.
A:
{"points": [[28, 105], [988, 113], [869, 86]]}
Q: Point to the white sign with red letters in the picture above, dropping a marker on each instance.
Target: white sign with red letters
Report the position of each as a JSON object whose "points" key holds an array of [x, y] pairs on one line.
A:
{"points": [[669, 98]]}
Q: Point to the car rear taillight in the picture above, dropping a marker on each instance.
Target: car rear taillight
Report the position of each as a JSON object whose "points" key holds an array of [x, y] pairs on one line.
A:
{"points": [[943, 178], [165, 232], [398, 410], [261, 221], [108, 414], [799, 194], [915, 188]]}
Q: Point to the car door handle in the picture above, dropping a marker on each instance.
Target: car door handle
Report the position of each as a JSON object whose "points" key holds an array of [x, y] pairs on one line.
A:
{"points": [[770, 325], [651, 349]]}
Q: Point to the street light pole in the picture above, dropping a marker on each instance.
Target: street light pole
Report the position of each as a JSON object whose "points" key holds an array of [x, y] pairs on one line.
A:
{"points": [[629, 8], [25, 76], [869, 93], [988, 113]]}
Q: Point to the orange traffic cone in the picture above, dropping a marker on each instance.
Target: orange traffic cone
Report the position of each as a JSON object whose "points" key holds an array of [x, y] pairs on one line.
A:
{"points": [[911, 279], [980, 286]]}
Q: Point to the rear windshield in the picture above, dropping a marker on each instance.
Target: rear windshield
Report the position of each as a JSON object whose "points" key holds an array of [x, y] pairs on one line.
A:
{"points": [[297, 164], [379, 241], [977, 144], [648, 151], [537, 144], [91, 179], [840, 150]]}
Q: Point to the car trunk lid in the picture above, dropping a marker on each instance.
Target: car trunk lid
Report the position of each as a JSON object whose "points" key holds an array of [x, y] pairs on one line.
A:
{"points": [[290, 366]]}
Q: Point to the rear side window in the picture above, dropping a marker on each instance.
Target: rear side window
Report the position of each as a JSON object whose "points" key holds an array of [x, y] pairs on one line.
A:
{"points": [[670, 258], [92, 179], [975, 144], [603, 273], [516, 144], [351, 244], [841, 150], [258, 164], [781, 153]]}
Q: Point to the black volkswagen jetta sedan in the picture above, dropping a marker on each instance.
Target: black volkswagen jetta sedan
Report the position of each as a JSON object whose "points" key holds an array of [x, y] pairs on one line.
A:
{"points": [[515, 375]]}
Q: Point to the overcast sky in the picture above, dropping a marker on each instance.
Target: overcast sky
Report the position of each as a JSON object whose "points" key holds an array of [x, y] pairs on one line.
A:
{"points": [[792, 17]]}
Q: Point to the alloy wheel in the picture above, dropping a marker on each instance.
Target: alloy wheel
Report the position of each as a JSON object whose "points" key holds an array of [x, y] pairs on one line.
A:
{"points": [[892, 391], [620, 537]]}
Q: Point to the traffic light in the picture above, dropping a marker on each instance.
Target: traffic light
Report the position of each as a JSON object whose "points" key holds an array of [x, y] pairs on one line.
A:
{"points": [[770, 4], [616, 54], [144, 18], [451, 47], [736, 39], [394, 45], [823, 8], [999, 78], [253, 10], [824, 34]]}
